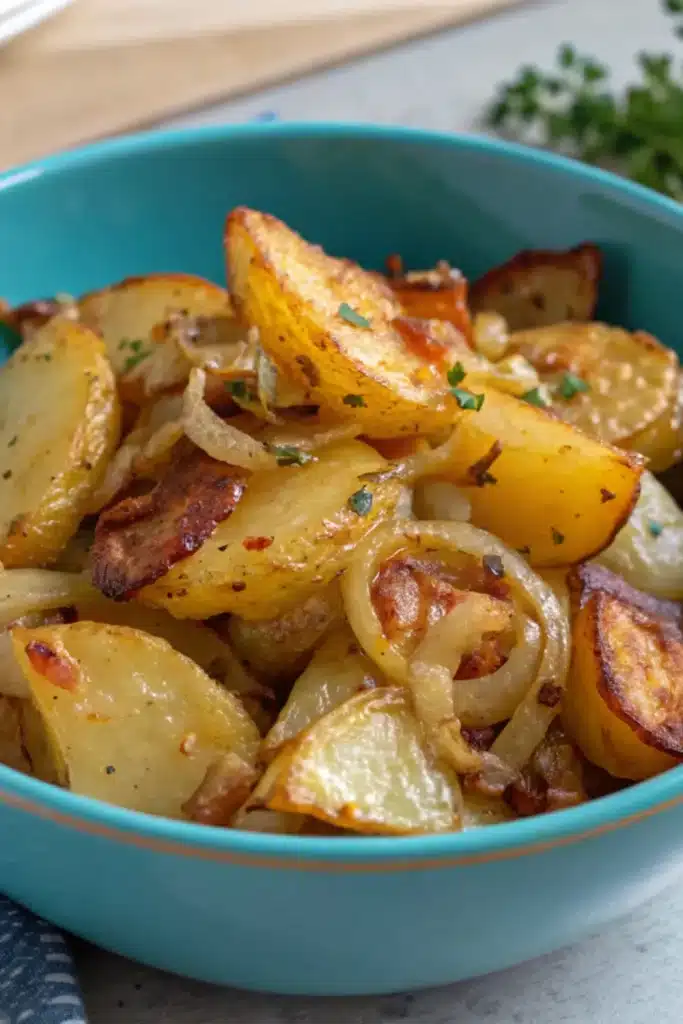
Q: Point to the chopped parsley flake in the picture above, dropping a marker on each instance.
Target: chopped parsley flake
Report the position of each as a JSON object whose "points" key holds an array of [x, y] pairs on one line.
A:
{"points": [[654, 527], [494, 565], [467, 399], [134, 360], [351, 316], [237, 388], [534, 397], [571, 385], [558, 538], [288, 455], [356, 401], [456, 375], [361, 501]]}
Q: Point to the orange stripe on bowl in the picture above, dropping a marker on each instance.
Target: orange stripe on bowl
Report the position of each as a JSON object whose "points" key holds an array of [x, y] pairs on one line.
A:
{"points": [[327, 867]]}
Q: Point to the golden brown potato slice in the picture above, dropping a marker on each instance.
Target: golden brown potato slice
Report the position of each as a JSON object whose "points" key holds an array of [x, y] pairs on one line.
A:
{"points": [[126, 314], [624, 701], [662, 441], [336, 672], [363, 767], [12, 752], [648, 550], [610, 382], [540, 287], [292, 532], [139, 539], [29, 317], [59, 424], [539, 484], [276, 649], [331, 327], [437, 294], [119, 715]]}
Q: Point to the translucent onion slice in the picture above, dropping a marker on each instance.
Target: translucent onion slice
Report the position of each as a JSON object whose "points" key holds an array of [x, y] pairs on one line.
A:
{"points": [[37, 590], [440, 499], [541, 703], [219, 439]]}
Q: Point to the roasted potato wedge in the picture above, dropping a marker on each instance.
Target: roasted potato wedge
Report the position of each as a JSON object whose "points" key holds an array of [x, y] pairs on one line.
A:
{"points": [[119, 715], [332, 328], [614, 384], [662, 441], [437, 294], [541, 287], [337, 671], [276, 649], [59, 424], [363, 767], [290, 534], [126, 315], [624, 701], [648, 550], [541, 485], [12, 752]]}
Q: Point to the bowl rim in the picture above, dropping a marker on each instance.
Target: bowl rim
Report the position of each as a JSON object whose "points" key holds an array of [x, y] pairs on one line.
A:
{"points": [[490, 843]]}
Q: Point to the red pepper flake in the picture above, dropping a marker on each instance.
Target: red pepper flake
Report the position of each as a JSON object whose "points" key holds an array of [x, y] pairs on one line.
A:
{"points": [[606, 495], [257, 543], [549, 695], [57, 669], [188, 743], [478, 472]]}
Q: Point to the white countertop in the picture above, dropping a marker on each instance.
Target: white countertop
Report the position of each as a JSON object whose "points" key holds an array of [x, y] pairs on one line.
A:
{"points": [[632, 973]]}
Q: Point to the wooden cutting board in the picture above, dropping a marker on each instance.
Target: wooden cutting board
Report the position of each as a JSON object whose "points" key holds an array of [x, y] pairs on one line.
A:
{"points": [[106, 66]]}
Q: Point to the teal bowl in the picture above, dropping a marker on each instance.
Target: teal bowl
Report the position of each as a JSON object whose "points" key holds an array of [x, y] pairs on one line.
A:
{"points": [[328, 915]]}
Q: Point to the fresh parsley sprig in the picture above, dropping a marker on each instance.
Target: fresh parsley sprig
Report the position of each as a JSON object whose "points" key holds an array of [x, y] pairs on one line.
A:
{"points": [[573, 109]]}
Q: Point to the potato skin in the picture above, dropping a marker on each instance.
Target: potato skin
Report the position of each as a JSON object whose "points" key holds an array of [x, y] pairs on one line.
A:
{"points": [[556, 494], [293, 292], [624, 700], [59, 425], [540, 287], [290, 534]]}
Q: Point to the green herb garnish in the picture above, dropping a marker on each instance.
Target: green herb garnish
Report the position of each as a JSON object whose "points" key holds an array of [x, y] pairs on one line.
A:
{"points": [[456, 375], [558, 538], [361, 501], [347, 313], [356, 401], [134, 360], [576, 110], [288, 455], [237, 388], [571, 385], [467, 399], [534, 397], [654, 527]]}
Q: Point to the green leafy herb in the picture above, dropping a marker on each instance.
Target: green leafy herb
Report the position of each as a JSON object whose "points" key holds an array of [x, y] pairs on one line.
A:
{"points": [[456, 375], [134, 345], [357, 401], [534, 397], [494, 565], [288, 455], [237, 388], [361, 501], [574, 109], [571, 385], [654, 527], [467, 399], [558, 538], [347, 313], [134, 360]]}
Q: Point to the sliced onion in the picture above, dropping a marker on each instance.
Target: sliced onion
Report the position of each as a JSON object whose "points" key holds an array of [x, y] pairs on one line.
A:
{"points": [[308, 436], [493, 698], [440, 499], [219, 439], [30, 590], [13, 682], [531, 718]]}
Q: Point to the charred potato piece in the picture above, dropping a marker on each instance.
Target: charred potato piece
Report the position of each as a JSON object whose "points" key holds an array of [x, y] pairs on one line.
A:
{"points": [[59, 424], [539, 484], [614, 384], [438, 294], [138, 540], [142, 739], [540, 287], [363, 767], [29, 317], [331, 327], [624, 700], [292, 532]]}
